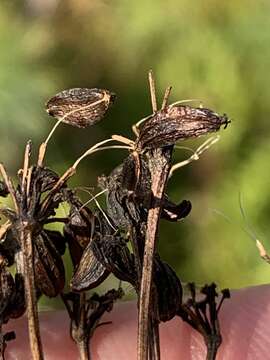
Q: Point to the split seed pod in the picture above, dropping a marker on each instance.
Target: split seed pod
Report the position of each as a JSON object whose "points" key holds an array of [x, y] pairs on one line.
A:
{"points": [[175, 123], [80, 107], [80, 231]]}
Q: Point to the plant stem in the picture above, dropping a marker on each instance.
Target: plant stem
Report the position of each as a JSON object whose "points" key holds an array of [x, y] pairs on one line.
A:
{"points": [[153, 343], [212, 348], [84, 350], [2, 343], [83, 342], [159, 165], [30, 292]]}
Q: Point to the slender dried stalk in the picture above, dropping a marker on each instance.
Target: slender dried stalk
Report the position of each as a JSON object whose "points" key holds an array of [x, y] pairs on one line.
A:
{"points": [[154, 345], [212, 349], [160, 171], [30, 292], [83, 343], [83, 350], [160, 163], [2, 343], [24, 230], [166, 97], [152, 91]]}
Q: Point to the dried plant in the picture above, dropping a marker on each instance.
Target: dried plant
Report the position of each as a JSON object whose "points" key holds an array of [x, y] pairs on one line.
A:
{"points": [[98, 239]]}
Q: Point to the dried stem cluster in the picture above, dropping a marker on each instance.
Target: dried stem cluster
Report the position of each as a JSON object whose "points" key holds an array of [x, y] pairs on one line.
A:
{"points": [[98, 239]]}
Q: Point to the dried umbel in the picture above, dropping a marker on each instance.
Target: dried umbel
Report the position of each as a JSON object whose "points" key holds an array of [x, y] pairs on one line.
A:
{"points": [[80, 107], [27, 244], [202, 315], [30, 216], [85, 314]]}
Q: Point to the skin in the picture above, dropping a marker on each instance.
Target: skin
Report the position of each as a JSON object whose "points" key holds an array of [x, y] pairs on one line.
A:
{"points": [[244, 321]]}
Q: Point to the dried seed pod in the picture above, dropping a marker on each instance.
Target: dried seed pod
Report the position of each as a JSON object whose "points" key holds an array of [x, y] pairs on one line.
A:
{"points": [[122, 208], [175, 123], [90, 273], [79, 229], [80, 107], [169, 290], [112, 251], [47, 177], [16, 306], [58, 240], [6, 288], [48, 265], [3, 189], [136, 177], [8, 247]]}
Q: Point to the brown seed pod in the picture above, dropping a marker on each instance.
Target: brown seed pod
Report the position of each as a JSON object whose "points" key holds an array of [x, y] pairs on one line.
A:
{"points": [[175, 123], [48, 265], [80, 107], [6, 288], [78, 230], [3, 189], [90, 272], [169, 290]]}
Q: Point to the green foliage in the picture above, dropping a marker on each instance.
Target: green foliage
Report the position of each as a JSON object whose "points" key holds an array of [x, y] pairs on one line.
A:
{"points": [[215, 51]]}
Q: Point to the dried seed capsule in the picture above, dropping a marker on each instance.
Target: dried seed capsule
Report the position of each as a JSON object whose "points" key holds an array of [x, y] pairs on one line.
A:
{"points": [[90, 273], [121, 206], [47, 178], [169, 290], [6, 288], [16, 306], [49, 267], [8, 247], [3, 189], [79, 229], [80, 107], [175, 123], [112, 251]]}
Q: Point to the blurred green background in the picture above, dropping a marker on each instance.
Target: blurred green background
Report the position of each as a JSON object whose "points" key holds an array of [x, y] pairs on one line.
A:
{"points": [[214, 51]]}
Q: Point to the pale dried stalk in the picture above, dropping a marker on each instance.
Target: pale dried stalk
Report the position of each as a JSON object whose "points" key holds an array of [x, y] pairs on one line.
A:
{"points": [[30, 292], [159, 181]]}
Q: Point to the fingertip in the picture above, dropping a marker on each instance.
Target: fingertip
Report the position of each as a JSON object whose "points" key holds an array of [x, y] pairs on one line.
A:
{"points": [[243, 320]]}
